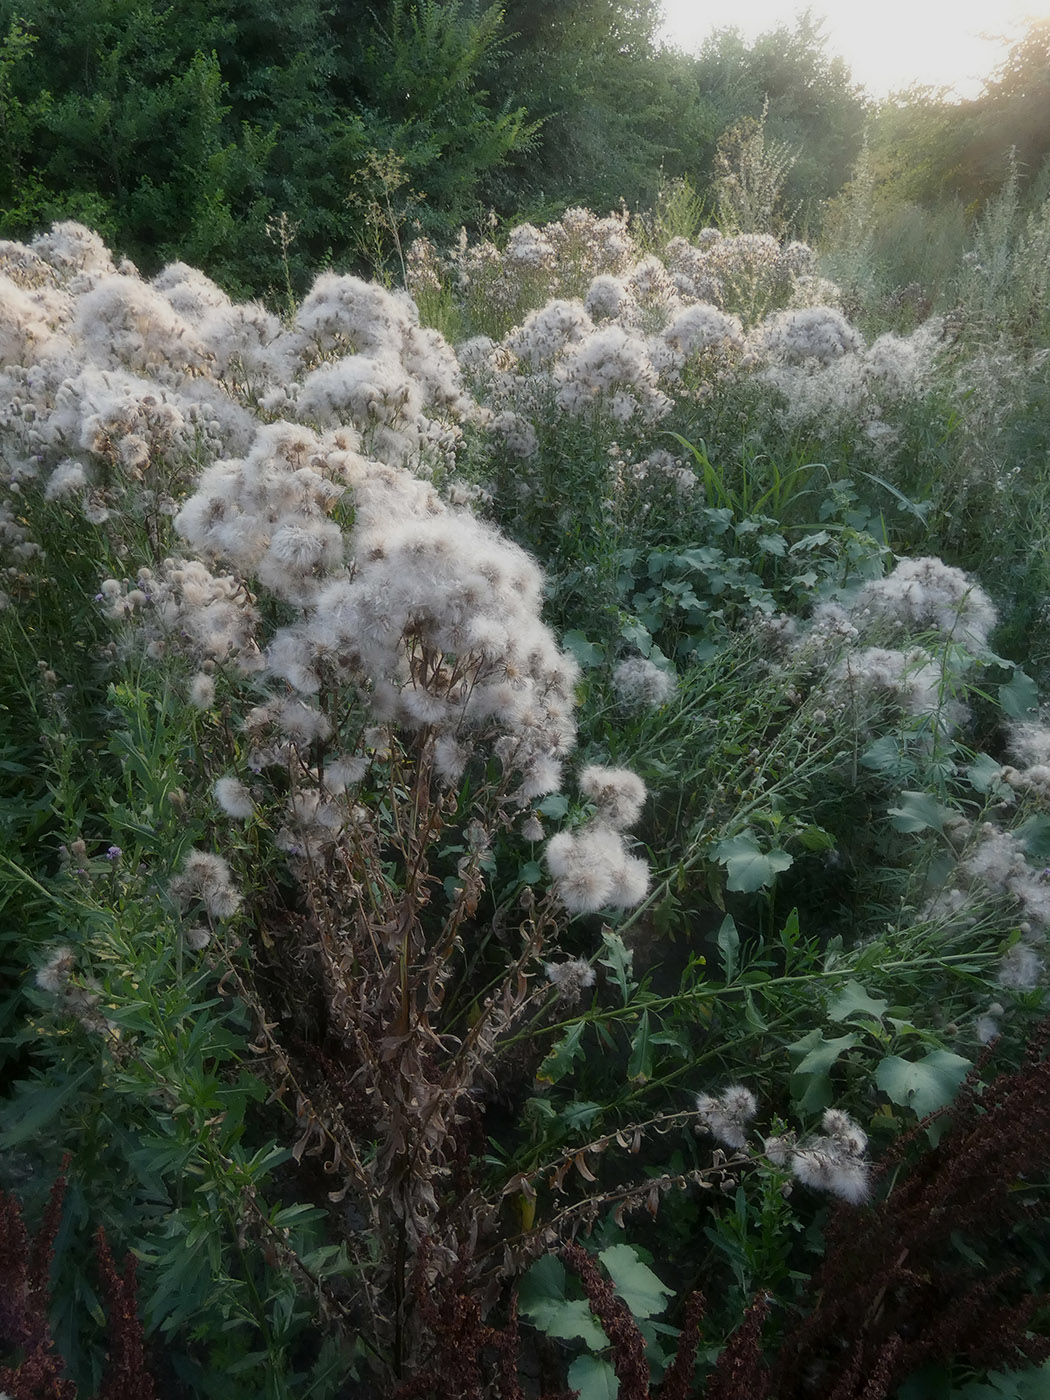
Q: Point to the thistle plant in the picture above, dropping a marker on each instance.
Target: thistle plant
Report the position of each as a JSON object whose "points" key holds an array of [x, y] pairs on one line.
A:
{"points": [[437, 774]]}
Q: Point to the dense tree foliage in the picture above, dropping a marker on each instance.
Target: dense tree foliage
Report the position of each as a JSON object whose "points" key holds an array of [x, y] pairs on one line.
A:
{"points": [[184, 130], [812, 105], [258, 140], [617, 113]]}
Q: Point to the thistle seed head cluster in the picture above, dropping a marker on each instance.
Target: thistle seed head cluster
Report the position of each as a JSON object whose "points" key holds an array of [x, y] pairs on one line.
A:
{"points": [[640, 682], [848, 642], [834, 1161], [605, 330], [727, 1115], [206, 879], [592, 866]]}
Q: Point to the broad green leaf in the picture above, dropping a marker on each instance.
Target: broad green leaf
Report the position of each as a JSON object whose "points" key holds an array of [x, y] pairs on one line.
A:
{"points": [[638, 636], [823, 1054], [1033, 1384], [853, 998], [918, 811], [555, 805], [923, 1085], [635, 1282], [748, 866], [815, 838], [1035, 834], [985, 775], [811, 1080], [772, 544], [588, 654], [541, 1298], [1020, 696], [594, 1378], [567, 1318]]}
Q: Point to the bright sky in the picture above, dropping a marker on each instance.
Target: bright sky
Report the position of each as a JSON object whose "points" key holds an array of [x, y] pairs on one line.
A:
{"points": [[888, 45]]}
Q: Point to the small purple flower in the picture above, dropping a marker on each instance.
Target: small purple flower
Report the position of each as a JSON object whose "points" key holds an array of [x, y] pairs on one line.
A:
{"points": [[114, 853]]}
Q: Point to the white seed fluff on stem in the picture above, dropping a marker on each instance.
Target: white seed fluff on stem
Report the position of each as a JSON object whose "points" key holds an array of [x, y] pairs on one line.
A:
{"points": [[206, 877], [234, 798], [593, 870], [570, 978], [639, 681], [835, 1162], [202, 691], [618, 794], [727, 1115]]}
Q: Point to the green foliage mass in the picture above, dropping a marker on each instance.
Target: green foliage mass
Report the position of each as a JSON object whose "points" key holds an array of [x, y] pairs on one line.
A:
{"points": [[181, 131], [188, 131]]}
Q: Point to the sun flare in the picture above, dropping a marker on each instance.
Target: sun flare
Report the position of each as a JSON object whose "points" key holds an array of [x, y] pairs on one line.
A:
{"points": [[941, 43]]}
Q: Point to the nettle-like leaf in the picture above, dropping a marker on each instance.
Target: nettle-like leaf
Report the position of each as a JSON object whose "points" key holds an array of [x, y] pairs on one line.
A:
{"points": [[886, 757], [923, 1085], [749, 868]]}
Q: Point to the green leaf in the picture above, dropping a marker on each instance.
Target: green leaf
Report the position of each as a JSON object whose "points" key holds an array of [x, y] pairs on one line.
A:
{"points": [[33, 1112], [752, 1015], [567, 1318], [635, 1282], [640, 1065], [1020, 696], [619, 959], [918, 811], [985, 776], [923, 1085], [748, 866], [588, 654], [815, 838], [853, 998], [639, 636], [561, 1058], [580, 1113], [541, 1297], [554, 806], [811, 1079], [886, 757], [824, 1053], [728, 941], [594, 1378], [1035, 836], [772, 544]]}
